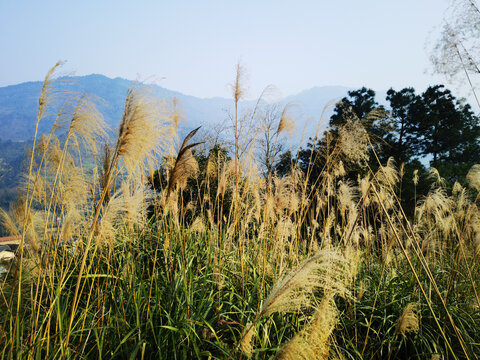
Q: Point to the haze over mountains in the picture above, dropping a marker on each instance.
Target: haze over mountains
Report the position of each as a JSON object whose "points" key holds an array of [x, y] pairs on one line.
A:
{"points": [[19, 104]]}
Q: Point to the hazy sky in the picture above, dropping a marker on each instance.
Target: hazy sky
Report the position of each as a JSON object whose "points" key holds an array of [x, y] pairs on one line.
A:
{"points": [[193, 46]]}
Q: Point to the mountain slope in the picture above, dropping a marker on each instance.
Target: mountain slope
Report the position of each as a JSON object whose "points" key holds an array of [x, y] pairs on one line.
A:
{"points": [[19, 103]]}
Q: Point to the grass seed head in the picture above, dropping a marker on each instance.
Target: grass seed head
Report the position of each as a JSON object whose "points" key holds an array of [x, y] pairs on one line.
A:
{"points": [[408, 322]]}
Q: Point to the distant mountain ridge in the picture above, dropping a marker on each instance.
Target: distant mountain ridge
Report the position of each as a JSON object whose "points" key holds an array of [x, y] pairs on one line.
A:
{"points": [[19, 104]]}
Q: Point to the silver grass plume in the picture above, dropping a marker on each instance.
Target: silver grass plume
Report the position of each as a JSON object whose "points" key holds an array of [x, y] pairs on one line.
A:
{"points": [[286, 123], [473, 176], [408, 322], [185, 164], [295, 290], [143, 129], [313, 341]]}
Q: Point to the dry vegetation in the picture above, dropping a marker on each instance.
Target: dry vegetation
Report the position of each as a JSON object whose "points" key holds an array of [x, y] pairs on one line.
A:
{"points": [[224, 262]]}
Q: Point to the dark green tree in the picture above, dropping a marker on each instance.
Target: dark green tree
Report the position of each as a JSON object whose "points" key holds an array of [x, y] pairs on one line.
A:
{"points": [[405, 108], [361, 102], [285, 163], [448, 132]]}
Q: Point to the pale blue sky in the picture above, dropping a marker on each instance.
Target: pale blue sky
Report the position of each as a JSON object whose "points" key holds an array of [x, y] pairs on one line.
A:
{"points": [[195, 45]]}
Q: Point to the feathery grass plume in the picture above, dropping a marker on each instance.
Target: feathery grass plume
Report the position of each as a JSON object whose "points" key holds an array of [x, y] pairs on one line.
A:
{"points": [[127, 206], [104, 173], [246, 342], [338, 169], [213, 164], [55, 155], [185, 164], [184, 169], [42, 144], [287, 122], [143, 129], [46, 92], [227, 171], [169, 204], [408, 322], [328, 270], [354, 141], [87, 123], [346, 196], [436, 203], [136, 198], [286, 200], [106, 227], [473, 177], [35, 226], [18, 219], [364, 187], [177, 113], [8, 222], [71, 224], [81, 119], [74, 190], [385, 198], [415, 177], [198, 225], [294, 290], [285, 230], [238, 88], [39, 191], [238, 92], [312, 342], [434, 175], [327, 227], [17, 209], [388, 175]]}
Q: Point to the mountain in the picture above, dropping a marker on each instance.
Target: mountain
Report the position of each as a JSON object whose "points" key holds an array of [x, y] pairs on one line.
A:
{"points": [[19, 104]]}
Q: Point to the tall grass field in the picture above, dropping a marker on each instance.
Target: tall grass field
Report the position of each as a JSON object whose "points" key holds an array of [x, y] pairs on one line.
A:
{"points": [[134, 245]]}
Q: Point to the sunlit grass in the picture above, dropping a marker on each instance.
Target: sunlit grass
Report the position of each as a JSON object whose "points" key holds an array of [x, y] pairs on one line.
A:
{"points": [[220, 261]]}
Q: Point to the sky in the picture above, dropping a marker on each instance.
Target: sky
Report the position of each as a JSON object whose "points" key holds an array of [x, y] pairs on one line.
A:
{"points": [[193, 46]]}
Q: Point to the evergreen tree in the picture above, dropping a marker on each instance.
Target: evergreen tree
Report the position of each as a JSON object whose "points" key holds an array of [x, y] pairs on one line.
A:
{"points": [[449, 132], [405, 106]]}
